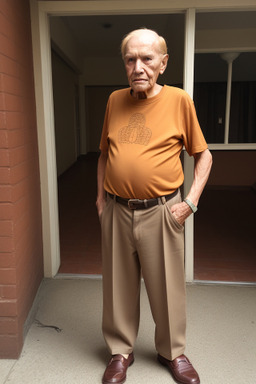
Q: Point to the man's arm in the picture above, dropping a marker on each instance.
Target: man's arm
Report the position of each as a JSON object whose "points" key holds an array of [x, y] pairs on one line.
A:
{"points": [[101, 194], [203, 164]]}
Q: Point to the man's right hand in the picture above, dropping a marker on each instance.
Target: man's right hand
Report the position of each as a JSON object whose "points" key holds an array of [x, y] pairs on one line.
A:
{"points": [[100, 204]]}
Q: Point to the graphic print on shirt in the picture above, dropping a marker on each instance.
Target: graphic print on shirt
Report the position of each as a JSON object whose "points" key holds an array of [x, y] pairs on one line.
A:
{"points": [[135, 132]]}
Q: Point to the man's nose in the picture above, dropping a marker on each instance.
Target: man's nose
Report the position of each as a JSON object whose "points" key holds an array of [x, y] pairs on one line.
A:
{"points": [[138, 66]]}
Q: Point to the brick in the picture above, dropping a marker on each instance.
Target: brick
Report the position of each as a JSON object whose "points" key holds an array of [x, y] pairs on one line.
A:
{"points": [[14, 120], [8, 307], [21, 227], [30, 122], [9, 326], [23, 251], [12, 103], [19, 137], [15, 138], [7, 276], [11, 84], [5, 175], [7, 260], [15, 211], [2, 101], [7, 47], [9, 66], [18, 208], [19, 155], [6, 244], [6, 228], [28, 251], [8, 292], [28, 74], [18, 173], [5, 193], [19, 190], [10, 346], [24, 189], [26, 170], [6, 211], [7, 9], [6, 28], [4, 157], [2, 125]]}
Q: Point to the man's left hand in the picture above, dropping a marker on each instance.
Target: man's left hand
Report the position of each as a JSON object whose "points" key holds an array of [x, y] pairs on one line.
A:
{"points": [[181, 212]]}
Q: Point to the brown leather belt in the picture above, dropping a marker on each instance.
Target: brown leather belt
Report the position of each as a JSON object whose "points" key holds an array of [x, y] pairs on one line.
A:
{"points": [[140, 203]]}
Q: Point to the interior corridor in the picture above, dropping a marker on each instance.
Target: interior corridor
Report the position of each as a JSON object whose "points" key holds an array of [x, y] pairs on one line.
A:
{"points": [[225, 241], [80, 240]]}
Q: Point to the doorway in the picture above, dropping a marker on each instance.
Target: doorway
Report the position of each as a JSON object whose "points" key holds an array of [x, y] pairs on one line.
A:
{"points": [[79, 227], [41, 43]]}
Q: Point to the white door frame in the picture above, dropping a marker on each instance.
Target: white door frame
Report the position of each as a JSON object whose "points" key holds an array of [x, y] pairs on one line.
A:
{"points": [[40, 12]]}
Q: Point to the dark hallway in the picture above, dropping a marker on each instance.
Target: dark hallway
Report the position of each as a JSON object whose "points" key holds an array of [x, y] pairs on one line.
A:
{"points": [[79, 226]]}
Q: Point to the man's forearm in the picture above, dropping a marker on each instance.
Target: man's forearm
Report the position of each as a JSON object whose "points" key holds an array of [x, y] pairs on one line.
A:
{"points": [[203, 164], [100, 181]]}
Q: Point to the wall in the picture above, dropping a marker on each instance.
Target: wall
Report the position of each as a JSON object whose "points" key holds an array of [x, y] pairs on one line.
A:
{"points": [[233, 169], [109, 70], [64, 83], [65, 43], [95, 105], [21, 257]]}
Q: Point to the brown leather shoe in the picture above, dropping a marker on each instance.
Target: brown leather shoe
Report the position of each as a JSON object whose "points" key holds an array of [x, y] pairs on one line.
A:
{"points": [[115, 372], [181, 369]]}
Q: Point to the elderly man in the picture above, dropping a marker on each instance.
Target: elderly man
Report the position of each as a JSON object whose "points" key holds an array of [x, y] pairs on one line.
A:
{"points": [[140, 207]]}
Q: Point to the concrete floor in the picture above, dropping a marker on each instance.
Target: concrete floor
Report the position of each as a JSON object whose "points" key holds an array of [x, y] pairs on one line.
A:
{"points": [[221, 337]]}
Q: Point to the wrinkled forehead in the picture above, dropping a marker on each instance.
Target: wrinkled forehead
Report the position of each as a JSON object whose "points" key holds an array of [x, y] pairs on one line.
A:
{"points": [[144, 43]]}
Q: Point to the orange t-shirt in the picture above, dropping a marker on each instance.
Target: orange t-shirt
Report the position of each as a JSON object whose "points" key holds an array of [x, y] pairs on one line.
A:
{"points": [[144, 139]]}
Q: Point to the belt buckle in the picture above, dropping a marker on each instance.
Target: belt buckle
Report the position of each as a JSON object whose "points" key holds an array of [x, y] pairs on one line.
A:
{"points": [[132, 203]]}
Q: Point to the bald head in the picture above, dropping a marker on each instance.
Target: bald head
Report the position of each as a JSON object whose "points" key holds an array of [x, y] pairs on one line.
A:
{"points": [[142, 34]]}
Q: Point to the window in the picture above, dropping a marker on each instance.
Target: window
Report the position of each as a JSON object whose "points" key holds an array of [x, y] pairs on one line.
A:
{"points": [[225, 77]]}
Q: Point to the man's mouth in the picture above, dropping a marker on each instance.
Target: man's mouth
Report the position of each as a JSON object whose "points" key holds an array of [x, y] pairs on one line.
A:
{"points": [[139, 80]]}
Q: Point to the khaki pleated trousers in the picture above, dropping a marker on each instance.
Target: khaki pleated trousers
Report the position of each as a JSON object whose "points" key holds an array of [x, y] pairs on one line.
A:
{"points": [[148, 242]]}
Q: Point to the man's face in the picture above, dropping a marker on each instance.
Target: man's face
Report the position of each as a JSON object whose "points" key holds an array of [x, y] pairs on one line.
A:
{"points": [[143, 63]]}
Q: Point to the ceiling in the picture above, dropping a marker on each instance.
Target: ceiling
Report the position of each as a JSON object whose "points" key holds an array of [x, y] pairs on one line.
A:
{"points": [[101, 35]]}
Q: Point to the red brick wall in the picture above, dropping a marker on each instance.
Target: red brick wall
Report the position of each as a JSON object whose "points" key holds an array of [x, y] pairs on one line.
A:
{"points": [[21, 258]]}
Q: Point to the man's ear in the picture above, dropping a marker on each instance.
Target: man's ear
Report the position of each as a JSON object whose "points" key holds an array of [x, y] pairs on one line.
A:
{"points": [[164, 63]]}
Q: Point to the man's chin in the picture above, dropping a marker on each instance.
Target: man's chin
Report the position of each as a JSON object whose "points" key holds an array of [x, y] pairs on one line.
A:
{"points": [[138, 88]]}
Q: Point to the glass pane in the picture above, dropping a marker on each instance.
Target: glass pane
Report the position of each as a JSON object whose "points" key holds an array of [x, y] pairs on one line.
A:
{"points": [[242, 127], [210, 95]]}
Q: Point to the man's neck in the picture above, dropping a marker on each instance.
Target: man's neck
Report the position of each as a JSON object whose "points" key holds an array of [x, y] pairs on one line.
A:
{"points": [[145, 95]]}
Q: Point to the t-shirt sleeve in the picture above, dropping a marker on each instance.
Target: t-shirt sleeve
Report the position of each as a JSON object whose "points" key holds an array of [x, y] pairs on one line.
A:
{"points": [[193, 137]]}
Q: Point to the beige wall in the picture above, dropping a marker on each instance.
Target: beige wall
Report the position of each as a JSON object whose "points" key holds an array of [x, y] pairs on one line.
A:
{"points": [[65, 43], [95, 104], [64, 83]]}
